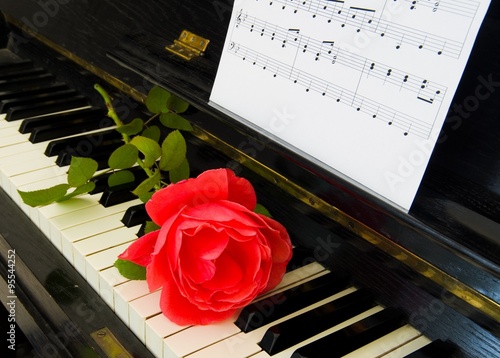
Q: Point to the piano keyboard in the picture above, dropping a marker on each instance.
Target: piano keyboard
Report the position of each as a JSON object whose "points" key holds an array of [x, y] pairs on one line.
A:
{"points": [[311, 312]]}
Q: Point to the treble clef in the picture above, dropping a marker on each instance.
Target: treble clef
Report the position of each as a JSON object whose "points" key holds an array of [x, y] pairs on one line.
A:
{"points": [[238, 19]]}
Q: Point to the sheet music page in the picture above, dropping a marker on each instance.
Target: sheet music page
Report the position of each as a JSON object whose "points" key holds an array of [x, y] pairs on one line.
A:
{"points": [[362, 86]]}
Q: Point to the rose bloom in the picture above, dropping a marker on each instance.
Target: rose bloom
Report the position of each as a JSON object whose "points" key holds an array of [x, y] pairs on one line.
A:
{"points": [[213, 254]]}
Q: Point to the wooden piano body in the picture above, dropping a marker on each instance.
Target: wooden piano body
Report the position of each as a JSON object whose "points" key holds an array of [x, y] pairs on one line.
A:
{"points": [[439, 263]]}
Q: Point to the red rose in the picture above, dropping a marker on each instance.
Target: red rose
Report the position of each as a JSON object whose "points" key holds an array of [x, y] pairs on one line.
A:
{"points": [[213, 254]]}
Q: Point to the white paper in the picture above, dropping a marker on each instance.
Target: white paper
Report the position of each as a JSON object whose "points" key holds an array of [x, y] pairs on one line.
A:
{"points": [[361, 86]]}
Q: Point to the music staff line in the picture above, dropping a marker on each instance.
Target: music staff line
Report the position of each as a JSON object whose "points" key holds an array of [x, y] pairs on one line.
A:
{"points": [[330, 90], [461, 8], [425, 90], [366, 19]]}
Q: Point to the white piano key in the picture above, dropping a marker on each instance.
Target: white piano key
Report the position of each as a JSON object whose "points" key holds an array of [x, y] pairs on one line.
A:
{"points": [[408, 348], [158, 327], [61, 222], [243, 344], [34, 175], [84, 248], [12, 151], [5, 124], [386, 344], [46, 213], [108, 279], [141, 309], [11, 137], [8, 132], [100, 261], [288, 352], [125, 293], [25, 167], [74, 234], [182, 343]]}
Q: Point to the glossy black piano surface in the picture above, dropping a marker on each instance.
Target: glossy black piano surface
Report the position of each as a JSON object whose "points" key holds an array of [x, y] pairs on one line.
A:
{"points": [[454, 223]]}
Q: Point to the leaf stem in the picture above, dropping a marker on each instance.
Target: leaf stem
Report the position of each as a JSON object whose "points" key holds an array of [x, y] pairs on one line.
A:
{"points": [[126, 138], [111, 111]]}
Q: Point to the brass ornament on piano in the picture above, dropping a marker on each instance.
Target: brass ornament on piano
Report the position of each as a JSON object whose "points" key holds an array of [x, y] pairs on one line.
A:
{"points": [[188, 45]]}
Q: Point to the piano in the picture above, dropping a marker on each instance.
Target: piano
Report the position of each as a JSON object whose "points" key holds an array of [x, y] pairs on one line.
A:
{"points": [[426, 282]]}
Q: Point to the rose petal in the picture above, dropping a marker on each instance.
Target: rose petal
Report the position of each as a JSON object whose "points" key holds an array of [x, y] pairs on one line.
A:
{"points": [[198, 251], [206, 243], [140, 251], [241, 191], [280, 243], [228, 273], [211, 185], [224, 211], [182, 312]]}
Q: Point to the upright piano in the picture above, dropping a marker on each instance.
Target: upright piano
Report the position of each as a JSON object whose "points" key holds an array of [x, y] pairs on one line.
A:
{"points": [[435, 266]]}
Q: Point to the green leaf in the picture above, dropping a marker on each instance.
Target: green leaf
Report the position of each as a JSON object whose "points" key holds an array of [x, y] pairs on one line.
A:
{"points": [[81, 171], [177, 105], [121, 177], [130, 270], [153, 133], [156, 101], [145, 197], [180, 173], [150, 227], [44, 196], [131, 128], [174, 121], [149, 148], [82, 189], [147, 184], [260, 209], [173, 151], [123, 157]]}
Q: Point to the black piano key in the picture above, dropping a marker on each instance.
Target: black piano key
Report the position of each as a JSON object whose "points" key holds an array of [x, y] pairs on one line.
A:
{"points": [[435, 349], [101, 180], [29, 72], [117, 195], [27, 111], [32, 91], [15, 66], [353, 336], [49, 132], [26, 82], [65, 118], [100, 154], [122, 193], [288, 333], [284, 303], [135, 215], [301, 257], [82, 145], [35, 99]]}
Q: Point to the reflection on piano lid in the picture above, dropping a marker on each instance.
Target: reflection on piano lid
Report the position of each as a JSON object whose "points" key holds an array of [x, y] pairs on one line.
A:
{"points": [[429, 280]]}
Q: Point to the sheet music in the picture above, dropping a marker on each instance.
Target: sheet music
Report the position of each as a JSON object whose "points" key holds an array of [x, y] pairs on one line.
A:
{"points": [[363, 86]]}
